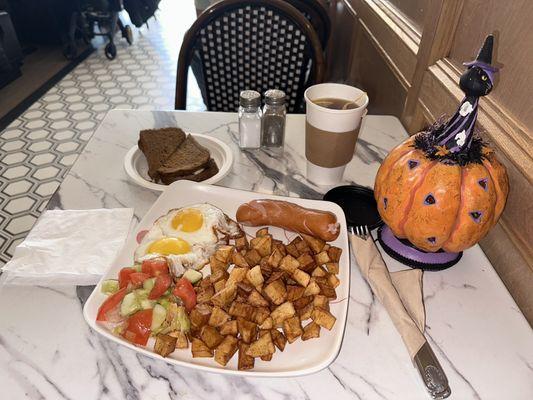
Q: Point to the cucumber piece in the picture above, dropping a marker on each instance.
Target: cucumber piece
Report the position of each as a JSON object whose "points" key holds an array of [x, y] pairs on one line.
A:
{"points": [[149, 284], [137, 268], [181, 320], [141, 294], [146, 304], [193, 276], [129, 305], [164, 302], [158, 316], [109, 286]]}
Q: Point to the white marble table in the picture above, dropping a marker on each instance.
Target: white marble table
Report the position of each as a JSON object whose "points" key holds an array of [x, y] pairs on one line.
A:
{"points": [[47, 351]]}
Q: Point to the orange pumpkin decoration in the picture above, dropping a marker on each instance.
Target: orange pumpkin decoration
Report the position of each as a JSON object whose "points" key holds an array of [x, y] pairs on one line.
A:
{"points": [[444, 188], [436, 205]]}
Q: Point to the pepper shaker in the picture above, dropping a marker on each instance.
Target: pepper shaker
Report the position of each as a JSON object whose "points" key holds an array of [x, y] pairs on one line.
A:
{"points": [[250, 119], [273, 125]]}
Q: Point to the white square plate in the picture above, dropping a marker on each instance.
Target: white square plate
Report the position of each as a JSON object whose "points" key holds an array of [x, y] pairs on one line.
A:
{"points": [[299, 358]]}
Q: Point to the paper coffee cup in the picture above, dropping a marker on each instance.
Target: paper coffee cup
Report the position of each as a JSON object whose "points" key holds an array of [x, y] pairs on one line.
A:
{"points": [[330, 135]]}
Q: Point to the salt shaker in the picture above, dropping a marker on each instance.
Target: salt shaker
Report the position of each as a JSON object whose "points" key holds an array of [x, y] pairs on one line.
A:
{"points": [[273, 125], [250, 119]]}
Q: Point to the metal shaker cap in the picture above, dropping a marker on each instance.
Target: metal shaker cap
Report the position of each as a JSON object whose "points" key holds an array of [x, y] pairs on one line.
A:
{"points": [[275, 97], [250, 98]]}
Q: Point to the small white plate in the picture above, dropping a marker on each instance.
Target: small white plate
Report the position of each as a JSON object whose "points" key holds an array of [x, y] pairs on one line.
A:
{"points": [[136, 165], [299, 358]]}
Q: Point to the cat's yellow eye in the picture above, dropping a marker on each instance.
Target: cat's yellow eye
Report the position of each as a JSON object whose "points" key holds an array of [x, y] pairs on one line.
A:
{"points": [[484, 77]]}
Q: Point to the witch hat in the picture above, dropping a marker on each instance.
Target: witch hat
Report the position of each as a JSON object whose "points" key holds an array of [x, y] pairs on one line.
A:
{"points": [[484, 58]]}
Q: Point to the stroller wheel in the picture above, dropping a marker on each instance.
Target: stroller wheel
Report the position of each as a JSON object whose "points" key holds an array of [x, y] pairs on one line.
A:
{"points": [[127, 33], [110, 51]]}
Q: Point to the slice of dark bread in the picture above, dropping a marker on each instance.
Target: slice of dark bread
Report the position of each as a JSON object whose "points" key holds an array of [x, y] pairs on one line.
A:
{"points": [[188, 158], [210, 169], [157, 145]]}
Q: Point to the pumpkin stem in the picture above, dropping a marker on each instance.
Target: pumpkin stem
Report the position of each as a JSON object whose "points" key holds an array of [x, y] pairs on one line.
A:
{"points": [[457, 133]]}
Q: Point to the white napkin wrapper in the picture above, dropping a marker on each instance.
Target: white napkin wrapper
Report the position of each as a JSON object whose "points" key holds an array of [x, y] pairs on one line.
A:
{"points": [[69, 247]]}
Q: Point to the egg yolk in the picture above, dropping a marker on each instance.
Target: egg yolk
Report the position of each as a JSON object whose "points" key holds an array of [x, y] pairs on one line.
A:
{"points": [[166, 246], [188, 220]]}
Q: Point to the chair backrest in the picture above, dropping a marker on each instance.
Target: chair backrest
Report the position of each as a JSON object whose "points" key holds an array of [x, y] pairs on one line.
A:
{"points": [[250, 44], [317, 14]]}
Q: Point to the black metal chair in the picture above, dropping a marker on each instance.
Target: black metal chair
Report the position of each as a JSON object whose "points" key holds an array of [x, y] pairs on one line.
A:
{"points": [[250, 44], [317, 14]]}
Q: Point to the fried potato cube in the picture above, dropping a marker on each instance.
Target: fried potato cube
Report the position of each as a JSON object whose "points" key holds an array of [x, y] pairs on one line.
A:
{"points": [[261, 232], [275, 258], [219, 285], [218, 317], [267, 357], [223, 253], [266, 268], [294, 292], [210, 336], [225, 296], [241, 243], [333, 280], [322, 258], [252, 257], [312, 288], [316, 244], [164, 344], [334, 254], [276, 275], [219, 275], [305, 312], [236, 275], [260, 314], [292, 328], [242, 310], [279, 246], [302, 302], [319, 271], [276, 292], [302, 247], [268, 323], [200, 314], [311, 330], [247, 330], [229, 328], [239, 260], [254, 276], [282, 312], [292, 250], [323, 318], [200, 349], [262, 346], [255, 299], [244, 287], [325, 287], [321, 301], [263, 245], [216, 264], [226, 349], [301, 277], [204, 294], [289, 264], [279, 339], [181, 339], [245, 361], [307, 262], [205, 282], [332, 267]]}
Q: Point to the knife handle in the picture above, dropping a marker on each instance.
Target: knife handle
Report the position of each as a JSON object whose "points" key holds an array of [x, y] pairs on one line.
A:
{"points": [[431, 372]]}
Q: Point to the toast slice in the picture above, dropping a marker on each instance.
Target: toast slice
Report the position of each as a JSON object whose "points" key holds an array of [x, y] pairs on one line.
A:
{"points": [[188, 158], [210, 169], [157, 145]]}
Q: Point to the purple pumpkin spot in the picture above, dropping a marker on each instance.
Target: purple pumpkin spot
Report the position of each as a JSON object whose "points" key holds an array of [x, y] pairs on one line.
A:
{"points": [[483, 183], [413, 164], [429, 200], [432, 239], [476, 216], [385, 202]]}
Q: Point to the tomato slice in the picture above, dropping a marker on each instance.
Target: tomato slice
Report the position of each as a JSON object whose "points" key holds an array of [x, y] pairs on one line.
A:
{"points": [[111, 303], [138, 327], [185, 291], [155, 266], [162, 283], [124, 277], [137, 278]]}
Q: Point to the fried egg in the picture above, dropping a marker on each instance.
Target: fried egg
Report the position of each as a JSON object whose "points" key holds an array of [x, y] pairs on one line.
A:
{"points": [[187, 237]]}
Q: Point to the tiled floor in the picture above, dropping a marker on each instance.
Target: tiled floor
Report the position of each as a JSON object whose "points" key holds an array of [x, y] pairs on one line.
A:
{"points": [[38, 148]]}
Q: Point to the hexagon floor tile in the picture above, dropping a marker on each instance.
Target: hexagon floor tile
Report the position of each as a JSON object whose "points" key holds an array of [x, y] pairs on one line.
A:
{"points": [[40, 146]]}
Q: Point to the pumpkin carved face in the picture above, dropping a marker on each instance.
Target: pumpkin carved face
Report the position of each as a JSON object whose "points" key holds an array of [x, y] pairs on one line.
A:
{"points": [[438, 205]]}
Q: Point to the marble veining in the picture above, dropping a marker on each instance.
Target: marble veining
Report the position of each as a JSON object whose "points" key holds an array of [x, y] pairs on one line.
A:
{"points": [[48, 352]]}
